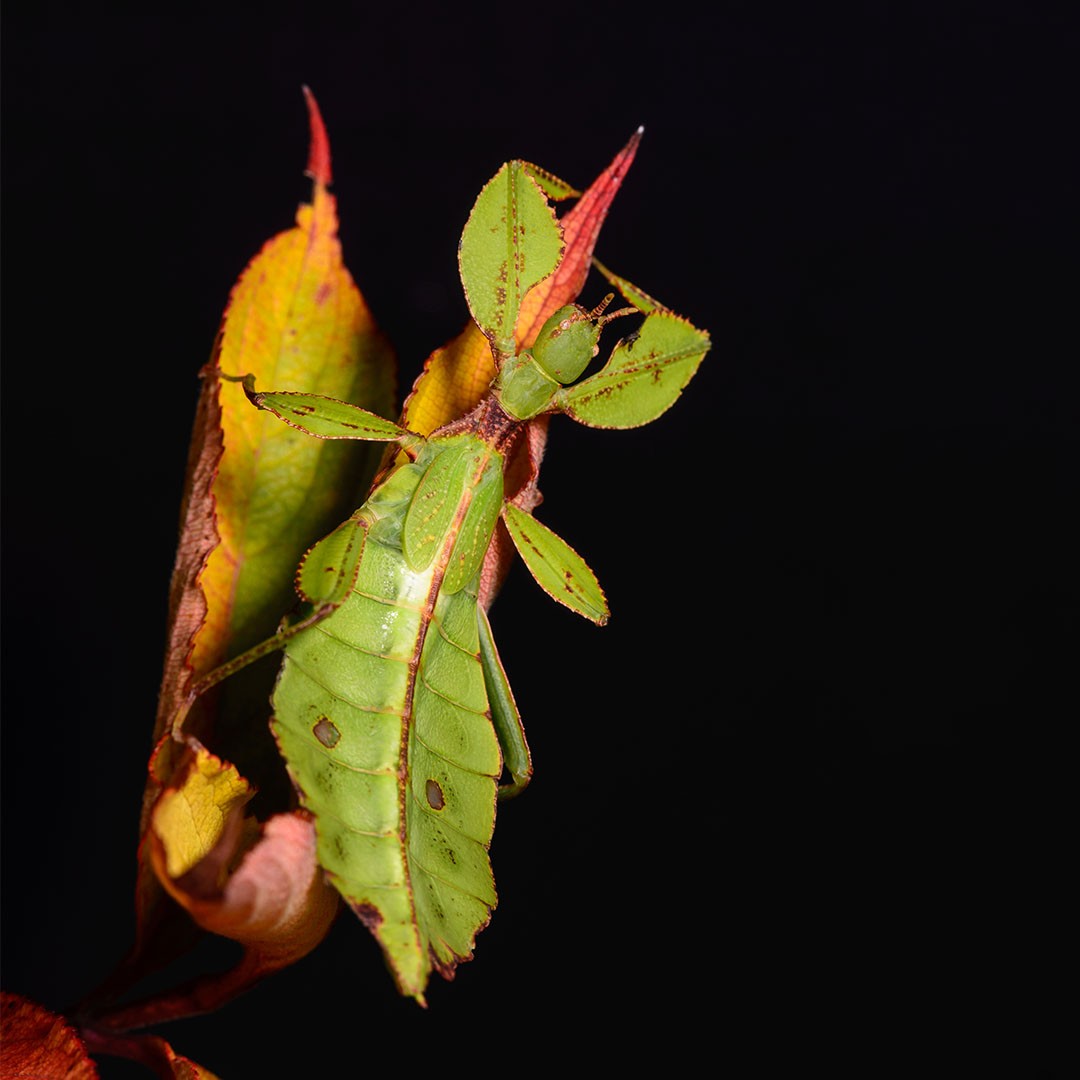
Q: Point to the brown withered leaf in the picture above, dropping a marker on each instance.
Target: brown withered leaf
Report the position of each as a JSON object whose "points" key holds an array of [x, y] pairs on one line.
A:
{"points": [[149, 1050], [35, 1044]]}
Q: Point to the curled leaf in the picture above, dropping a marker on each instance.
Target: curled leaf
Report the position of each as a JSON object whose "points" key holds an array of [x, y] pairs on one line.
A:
{"points": [[276, 903], [197, 818], [260, 887]]}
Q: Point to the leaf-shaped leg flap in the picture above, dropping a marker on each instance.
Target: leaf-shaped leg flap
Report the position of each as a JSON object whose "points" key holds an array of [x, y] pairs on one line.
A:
{"points": [[559, 570], [325, 417], [328, 571], [643, 378]]}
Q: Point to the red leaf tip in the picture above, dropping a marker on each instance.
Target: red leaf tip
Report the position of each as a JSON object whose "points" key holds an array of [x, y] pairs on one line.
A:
{"points": [[318, 166]]}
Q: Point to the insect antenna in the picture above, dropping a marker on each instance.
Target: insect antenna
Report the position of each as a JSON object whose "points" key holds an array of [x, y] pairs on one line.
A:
{"points": [[597, 314]]}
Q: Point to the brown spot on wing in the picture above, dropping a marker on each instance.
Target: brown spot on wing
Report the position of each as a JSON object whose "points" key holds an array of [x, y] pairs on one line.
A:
{"points": [[326, 732], [434, 793]]}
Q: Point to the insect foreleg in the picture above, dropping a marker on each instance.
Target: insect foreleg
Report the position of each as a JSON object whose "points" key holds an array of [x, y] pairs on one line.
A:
{"points": [[558, 569]]}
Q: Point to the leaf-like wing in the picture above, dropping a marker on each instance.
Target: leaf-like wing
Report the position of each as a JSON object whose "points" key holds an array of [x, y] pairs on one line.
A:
{"points": [[380, 711], [435, 504]]}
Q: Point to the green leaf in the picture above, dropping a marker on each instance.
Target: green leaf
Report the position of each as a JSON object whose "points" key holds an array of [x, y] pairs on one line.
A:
{"points": [[643, 378], [559, 570]]}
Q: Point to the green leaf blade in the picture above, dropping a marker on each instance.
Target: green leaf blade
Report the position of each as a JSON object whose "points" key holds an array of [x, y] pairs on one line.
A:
{"points": [[643, 378]]}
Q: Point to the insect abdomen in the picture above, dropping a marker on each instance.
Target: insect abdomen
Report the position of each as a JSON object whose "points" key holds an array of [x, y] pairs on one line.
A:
{"points": [[398, 761]]}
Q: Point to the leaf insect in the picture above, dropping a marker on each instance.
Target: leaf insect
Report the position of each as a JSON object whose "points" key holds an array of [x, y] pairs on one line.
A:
{"points": [[392, 709]]}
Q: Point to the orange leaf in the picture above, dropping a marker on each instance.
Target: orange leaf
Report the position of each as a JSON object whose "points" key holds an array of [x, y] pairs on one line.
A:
{"points": [[35, 1044], [581, 227]]}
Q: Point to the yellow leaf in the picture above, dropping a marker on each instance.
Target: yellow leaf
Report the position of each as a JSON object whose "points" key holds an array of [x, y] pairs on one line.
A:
{"points": [[191, 820]]}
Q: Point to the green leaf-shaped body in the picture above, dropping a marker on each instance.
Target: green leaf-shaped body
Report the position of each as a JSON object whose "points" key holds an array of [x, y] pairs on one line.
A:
{"points": [[382, 715], [392, 710]]}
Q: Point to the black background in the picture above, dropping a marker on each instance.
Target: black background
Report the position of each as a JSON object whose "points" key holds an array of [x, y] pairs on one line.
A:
{"points": [[801, 802]]}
